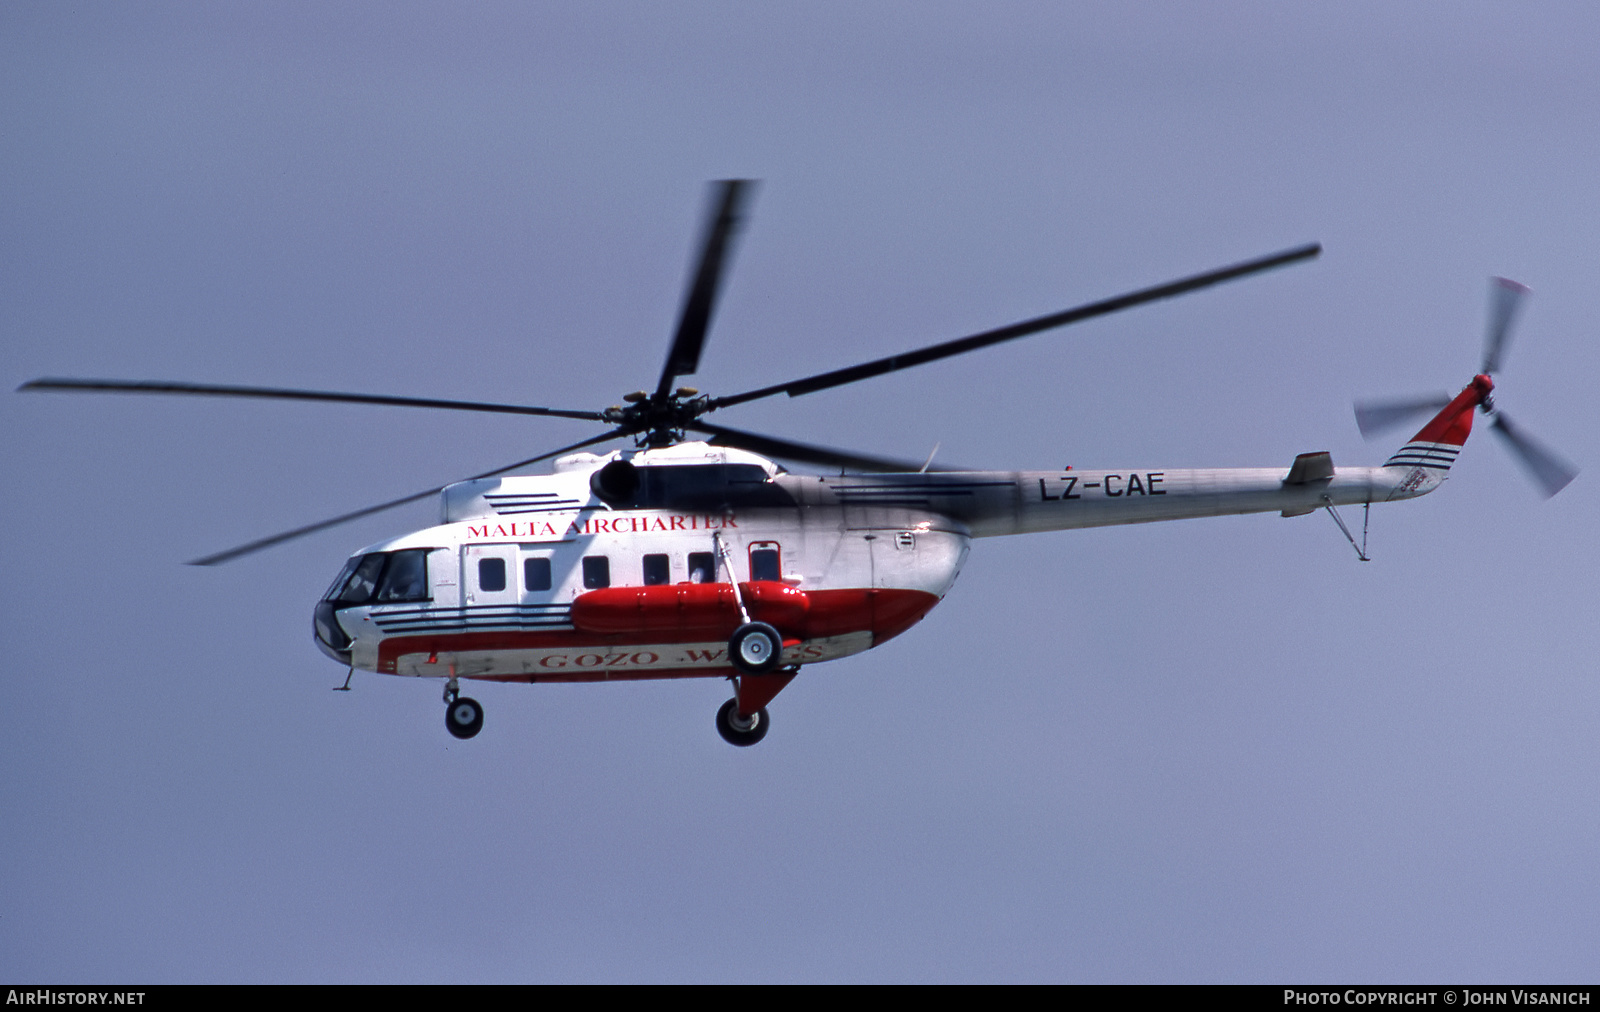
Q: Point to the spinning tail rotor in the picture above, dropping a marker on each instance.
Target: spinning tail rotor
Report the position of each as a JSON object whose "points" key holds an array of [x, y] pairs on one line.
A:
{"points": [[1547, 469]]}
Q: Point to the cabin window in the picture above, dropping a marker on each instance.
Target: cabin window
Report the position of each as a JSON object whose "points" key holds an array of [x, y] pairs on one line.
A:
{"points": [[536, 574], [491, 574], [657, 570], [764, 564], [596, 571], [406, 577], [702, 567]]}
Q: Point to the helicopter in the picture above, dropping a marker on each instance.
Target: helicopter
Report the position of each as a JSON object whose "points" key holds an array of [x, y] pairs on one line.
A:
{"points": [[692, 553]]}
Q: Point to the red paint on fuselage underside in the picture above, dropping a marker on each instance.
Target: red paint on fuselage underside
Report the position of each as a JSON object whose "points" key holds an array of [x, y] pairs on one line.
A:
{"points": [[885, 612], [698, 610]]}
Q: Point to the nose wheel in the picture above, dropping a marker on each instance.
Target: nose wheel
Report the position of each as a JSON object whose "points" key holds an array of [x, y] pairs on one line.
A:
{"points": [[741, 731], [463, 716]]}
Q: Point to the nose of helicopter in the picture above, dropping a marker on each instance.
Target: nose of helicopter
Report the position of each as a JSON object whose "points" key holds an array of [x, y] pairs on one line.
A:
{"points": [[329, 634]]}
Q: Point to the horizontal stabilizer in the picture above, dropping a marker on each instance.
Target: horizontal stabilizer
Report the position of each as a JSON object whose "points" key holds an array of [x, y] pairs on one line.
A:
{"points": [[1310, 467]]}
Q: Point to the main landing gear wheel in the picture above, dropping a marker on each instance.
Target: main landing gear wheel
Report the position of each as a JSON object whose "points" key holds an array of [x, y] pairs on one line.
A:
{"points": [[464, 717], [755, 648], [741, 731]]}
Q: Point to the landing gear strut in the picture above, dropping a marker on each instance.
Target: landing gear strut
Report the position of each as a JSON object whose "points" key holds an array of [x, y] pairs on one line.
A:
{"points": [[742, 720], [463, 717], [755, 647]]}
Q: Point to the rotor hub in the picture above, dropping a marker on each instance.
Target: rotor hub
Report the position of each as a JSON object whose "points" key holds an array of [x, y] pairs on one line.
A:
{"points": [[1485, 388], [659, 420]]}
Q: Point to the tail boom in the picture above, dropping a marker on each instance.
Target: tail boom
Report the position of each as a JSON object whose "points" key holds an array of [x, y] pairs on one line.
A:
{"points": [[993, 503], [996, 503]]}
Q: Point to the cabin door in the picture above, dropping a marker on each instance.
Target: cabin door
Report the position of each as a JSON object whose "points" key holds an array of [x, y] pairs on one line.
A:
{"points": [[766, 561], [489, 575]]}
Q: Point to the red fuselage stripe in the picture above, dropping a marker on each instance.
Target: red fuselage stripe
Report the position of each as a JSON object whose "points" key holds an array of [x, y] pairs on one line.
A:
{"points": [[885, 612]]}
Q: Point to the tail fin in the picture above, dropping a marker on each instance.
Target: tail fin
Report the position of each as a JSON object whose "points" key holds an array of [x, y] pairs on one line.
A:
{"points": [[1435, 446]]}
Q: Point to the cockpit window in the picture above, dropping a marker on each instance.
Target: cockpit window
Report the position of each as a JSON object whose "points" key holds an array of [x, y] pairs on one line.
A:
{"points": [[358, 588], [382, 576], [406, 577], [342, 579]]}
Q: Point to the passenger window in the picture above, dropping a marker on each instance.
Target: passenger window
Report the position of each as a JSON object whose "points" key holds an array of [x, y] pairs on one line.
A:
{"points": [[491, 574], [764, 564], [702, 567], [657, 570], [536, 574], [596, 571]]}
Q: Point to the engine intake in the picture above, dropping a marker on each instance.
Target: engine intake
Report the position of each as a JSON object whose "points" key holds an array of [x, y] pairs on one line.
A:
{"points": [[617, 482]]}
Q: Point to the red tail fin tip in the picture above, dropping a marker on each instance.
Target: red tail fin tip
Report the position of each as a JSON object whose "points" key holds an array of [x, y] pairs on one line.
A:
{"points": [[1452, 425]]}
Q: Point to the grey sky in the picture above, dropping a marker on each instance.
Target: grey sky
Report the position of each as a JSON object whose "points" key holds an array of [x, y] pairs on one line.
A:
{"points": [[1210, 750]]}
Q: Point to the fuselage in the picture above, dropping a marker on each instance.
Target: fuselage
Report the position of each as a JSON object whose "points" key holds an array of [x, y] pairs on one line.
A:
{"points": [[541, 579]]}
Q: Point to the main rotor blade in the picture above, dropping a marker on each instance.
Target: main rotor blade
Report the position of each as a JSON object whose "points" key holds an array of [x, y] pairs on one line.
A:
{"points": [[1375, 417], [277, 539], [1551, 472], [722, 224], [774, 447], [1505, 297], [275, 393], [960, 346]]}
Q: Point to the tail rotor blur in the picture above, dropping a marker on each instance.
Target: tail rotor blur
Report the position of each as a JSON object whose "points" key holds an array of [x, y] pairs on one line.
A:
{"points": [[1505, 298], [1547, 468], [1374, 418]]}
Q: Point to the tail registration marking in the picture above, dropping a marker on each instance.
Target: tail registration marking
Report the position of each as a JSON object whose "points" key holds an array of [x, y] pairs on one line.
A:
{"points": [[1112, 486]]}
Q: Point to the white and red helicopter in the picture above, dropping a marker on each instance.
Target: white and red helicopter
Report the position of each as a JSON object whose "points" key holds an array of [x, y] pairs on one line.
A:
{"points": [[685, 557]]}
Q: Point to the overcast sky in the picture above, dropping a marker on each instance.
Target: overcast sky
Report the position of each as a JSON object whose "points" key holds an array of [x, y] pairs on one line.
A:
{"points": [[1218, 750]]}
